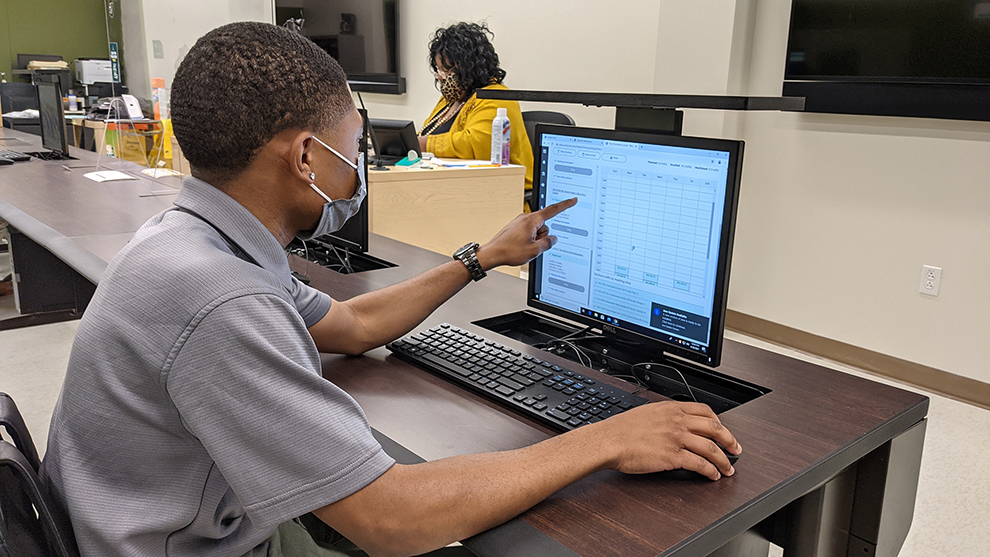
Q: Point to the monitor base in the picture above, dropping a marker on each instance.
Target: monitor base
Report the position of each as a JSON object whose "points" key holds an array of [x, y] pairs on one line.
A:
{"points": [[621, 358]]}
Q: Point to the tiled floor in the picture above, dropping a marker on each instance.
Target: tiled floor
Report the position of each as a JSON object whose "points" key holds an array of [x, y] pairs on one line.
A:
{"points": [[952, 512]]}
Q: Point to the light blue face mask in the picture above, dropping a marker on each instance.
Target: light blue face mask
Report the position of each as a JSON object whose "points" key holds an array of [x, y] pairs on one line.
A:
{"points": [[336, 213]]}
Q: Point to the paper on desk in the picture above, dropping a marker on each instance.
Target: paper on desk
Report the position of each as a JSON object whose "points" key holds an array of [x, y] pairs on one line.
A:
{"points": [[453, 163], [108, 176]]}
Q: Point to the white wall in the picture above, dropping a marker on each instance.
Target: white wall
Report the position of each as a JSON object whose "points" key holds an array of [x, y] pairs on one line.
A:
{"points": [[177, 24], [554, 44], [838, 213]]}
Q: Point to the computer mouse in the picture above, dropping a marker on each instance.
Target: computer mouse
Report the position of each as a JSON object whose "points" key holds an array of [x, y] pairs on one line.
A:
{"points": [[690, 475]]}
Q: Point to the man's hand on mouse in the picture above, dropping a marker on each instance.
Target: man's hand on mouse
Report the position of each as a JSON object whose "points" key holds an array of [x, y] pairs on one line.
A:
{"points": [[525, 237], [667, 436]]}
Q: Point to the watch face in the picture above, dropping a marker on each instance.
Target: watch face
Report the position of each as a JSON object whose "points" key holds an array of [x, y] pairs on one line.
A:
{"points": [[464, 249]]}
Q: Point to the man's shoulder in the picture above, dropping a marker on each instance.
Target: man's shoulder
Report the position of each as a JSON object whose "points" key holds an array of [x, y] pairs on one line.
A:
{"points": [[178, 255]]}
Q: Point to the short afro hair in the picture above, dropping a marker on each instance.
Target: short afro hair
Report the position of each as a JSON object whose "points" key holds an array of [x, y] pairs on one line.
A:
{"points": [[242, 84], [466, 48]]}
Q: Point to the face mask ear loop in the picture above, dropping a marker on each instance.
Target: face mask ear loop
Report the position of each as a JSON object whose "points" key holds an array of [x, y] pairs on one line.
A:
{"points": [[323, 195], [334, 151]]}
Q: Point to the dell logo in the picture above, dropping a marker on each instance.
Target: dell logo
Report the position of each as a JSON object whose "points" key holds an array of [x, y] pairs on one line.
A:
{"points": [[608, 329]]}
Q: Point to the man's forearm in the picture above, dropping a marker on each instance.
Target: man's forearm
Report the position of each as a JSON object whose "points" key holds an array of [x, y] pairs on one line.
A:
{"points": [[387, 314], [426, 506]]}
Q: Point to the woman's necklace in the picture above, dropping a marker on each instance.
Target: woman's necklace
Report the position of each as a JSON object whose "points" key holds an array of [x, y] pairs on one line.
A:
{"points": [[441, 117]]}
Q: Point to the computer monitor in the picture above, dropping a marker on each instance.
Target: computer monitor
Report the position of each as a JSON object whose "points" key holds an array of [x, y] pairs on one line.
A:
{"points": [[52, 118], [353, 236], [395, 138], [645, 253]]}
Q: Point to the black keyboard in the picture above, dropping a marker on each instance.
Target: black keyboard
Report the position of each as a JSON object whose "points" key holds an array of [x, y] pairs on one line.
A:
{"points": [[15, 156], [538, 389]]}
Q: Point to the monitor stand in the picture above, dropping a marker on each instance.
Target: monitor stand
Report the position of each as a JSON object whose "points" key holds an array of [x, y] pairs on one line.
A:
{"points": [[616, 356]]}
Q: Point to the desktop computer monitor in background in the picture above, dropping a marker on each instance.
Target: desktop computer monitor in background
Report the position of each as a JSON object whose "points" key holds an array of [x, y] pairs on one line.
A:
{"points": [[353, 236], [395, 138], [52, 118], [645, 253]]}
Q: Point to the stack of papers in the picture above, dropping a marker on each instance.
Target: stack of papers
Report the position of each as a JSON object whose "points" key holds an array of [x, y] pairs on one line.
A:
{"points": [[44, 65]]}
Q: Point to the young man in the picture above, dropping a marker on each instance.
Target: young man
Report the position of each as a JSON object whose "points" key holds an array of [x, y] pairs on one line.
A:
{"points": [[194, 419]]}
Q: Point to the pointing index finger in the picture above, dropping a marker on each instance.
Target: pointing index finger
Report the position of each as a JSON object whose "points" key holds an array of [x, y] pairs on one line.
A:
{"points": [[551, 211]]}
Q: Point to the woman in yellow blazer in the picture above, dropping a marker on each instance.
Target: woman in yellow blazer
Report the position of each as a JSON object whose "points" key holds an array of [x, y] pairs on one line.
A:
{"points": [[463, 60]]}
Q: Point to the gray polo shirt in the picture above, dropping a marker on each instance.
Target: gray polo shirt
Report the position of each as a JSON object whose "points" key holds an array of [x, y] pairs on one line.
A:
{"points": [[194, 418]]}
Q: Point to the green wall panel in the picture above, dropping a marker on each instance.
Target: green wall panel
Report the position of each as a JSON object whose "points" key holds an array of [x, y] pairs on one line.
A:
{"points": [[70, 28]]}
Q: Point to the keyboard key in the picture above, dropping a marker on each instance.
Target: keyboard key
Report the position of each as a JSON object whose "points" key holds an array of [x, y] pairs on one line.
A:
{"points": [[592, 392], [493, 384], [584, 416], [574, 422], [529, 401], [475, 377], [584, 406], [510, 383], [624, 405], [504, 391], [549, 383], [595, 411], [577, 386], [613, 399], [584, 397], [557, 414], [593, 400], [563, 407], [568, 391], [558, 386], [574, 411], [535, 377], [540, 396], [589, 381], [579, 377], [539, 406], [522, 380], [519, 398]]}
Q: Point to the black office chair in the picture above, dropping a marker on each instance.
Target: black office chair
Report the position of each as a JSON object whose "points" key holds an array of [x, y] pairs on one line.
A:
{"points": [[15, 96], [533, 117], [31, 525]]}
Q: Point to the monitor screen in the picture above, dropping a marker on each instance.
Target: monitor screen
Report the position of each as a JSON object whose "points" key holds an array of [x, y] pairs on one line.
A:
{"points": [[361, 35], [646, 249], [52, 118], [890, 40], [395, 138]]}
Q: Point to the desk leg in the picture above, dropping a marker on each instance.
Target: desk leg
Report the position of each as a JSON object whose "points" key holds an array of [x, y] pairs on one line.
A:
{"points": [[864, 511]]}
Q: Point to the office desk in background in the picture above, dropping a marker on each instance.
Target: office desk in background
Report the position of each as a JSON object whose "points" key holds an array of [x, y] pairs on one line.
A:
{"points": [[831, 461], [445, 208]]}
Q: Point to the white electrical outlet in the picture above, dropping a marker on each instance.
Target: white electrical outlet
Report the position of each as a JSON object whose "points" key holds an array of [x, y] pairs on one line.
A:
{"points": [[930, 279]]}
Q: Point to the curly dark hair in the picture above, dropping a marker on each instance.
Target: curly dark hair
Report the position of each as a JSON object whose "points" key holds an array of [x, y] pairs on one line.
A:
{"points": [[242, 84], [466, 48]]}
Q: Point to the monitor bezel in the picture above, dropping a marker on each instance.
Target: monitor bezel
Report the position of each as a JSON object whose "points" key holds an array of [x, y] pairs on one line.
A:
{"points": [[353, 236], [717, 323], [405, 130]]}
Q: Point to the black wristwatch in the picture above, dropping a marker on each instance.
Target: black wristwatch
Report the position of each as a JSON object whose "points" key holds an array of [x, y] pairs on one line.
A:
{"points": [[467, 254]]}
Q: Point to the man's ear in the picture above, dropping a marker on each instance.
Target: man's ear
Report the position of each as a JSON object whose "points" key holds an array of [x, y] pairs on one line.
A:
{"points": [[300, 154]]}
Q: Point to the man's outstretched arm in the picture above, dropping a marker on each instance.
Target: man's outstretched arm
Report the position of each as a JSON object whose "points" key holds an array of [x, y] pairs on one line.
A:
{"points": [[370, 320]]}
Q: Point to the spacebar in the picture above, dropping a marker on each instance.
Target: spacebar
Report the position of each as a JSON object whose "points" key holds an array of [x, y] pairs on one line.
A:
{"points": [[447, 366]]}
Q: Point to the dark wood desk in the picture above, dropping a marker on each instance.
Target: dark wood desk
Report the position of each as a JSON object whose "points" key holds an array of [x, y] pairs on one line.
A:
{"points": [[831, 461], [826, 453], [66, 227]]}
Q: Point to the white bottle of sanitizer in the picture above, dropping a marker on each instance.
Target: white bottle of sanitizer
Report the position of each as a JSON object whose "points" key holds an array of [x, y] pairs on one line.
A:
{"points": [[500, 138]]}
